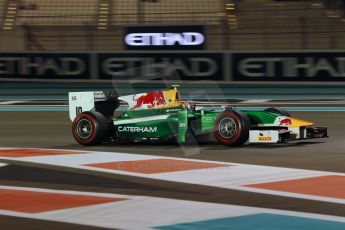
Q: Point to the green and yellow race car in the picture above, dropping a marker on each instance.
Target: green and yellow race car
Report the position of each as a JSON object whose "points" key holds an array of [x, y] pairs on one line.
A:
{"points": [[162, 116]]}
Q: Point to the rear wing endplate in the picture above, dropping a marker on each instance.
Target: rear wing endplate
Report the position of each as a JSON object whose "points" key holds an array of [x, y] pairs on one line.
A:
{"points": [[79, 102]]}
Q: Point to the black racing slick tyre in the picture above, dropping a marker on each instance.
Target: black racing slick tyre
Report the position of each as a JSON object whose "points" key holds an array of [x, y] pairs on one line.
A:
{"points": [[278, 111], [232, 128], [90, 128]]}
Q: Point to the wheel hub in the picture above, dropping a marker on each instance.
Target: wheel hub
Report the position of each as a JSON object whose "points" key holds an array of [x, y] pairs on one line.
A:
{"points": [[227, 127], [84, 128]]}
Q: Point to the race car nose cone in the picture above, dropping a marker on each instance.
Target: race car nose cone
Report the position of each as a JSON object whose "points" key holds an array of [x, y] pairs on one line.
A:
{"points": [[295, 123]]}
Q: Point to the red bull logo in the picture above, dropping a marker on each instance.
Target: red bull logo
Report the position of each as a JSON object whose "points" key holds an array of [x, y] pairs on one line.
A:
{"points": [[150, 100], [285, 122]]}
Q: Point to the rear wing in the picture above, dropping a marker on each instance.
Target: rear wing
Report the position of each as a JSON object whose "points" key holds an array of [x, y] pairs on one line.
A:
{"points": [[101, 101]]}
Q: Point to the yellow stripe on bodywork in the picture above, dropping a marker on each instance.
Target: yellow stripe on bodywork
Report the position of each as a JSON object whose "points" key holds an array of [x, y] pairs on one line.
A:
{"points": [[295, 123], [172, 98]]}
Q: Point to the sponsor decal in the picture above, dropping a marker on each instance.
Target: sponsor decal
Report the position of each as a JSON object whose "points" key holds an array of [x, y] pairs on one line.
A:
{"points": [[264, 138], [150, 100], [168, 37], [208, 119], [286, 66], [167, 66], [44, 65], [285, 122], [165, 39], [133, 129], [98, 93]]}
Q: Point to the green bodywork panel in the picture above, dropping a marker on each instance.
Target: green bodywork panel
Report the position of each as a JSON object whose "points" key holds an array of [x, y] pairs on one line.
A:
{"points": [[157, 123], [207, 120], [148, 129], [182, 125], [176, 121], [261, 117]]}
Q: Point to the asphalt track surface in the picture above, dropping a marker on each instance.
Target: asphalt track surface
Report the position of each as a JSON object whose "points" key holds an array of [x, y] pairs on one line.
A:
{"points": [[52, 130]]}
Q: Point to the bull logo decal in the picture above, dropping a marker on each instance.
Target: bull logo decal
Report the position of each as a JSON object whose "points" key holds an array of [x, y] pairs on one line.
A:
{"points": [[150, 99], [285, 122]]}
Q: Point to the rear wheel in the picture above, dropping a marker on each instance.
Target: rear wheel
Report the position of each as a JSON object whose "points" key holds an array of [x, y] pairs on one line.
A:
{"points": [[232, 128], [278, 111], [90, 128]]}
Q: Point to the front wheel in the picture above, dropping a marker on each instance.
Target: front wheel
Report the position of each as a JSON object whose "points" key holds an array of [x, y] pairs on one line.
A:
{"points": [[90, 128], [232, 128]]}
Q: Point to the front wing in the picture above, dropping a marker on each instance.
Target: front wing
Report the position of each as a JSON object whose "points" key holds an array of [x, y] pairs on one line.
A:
{"points": [[282, 135]]}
